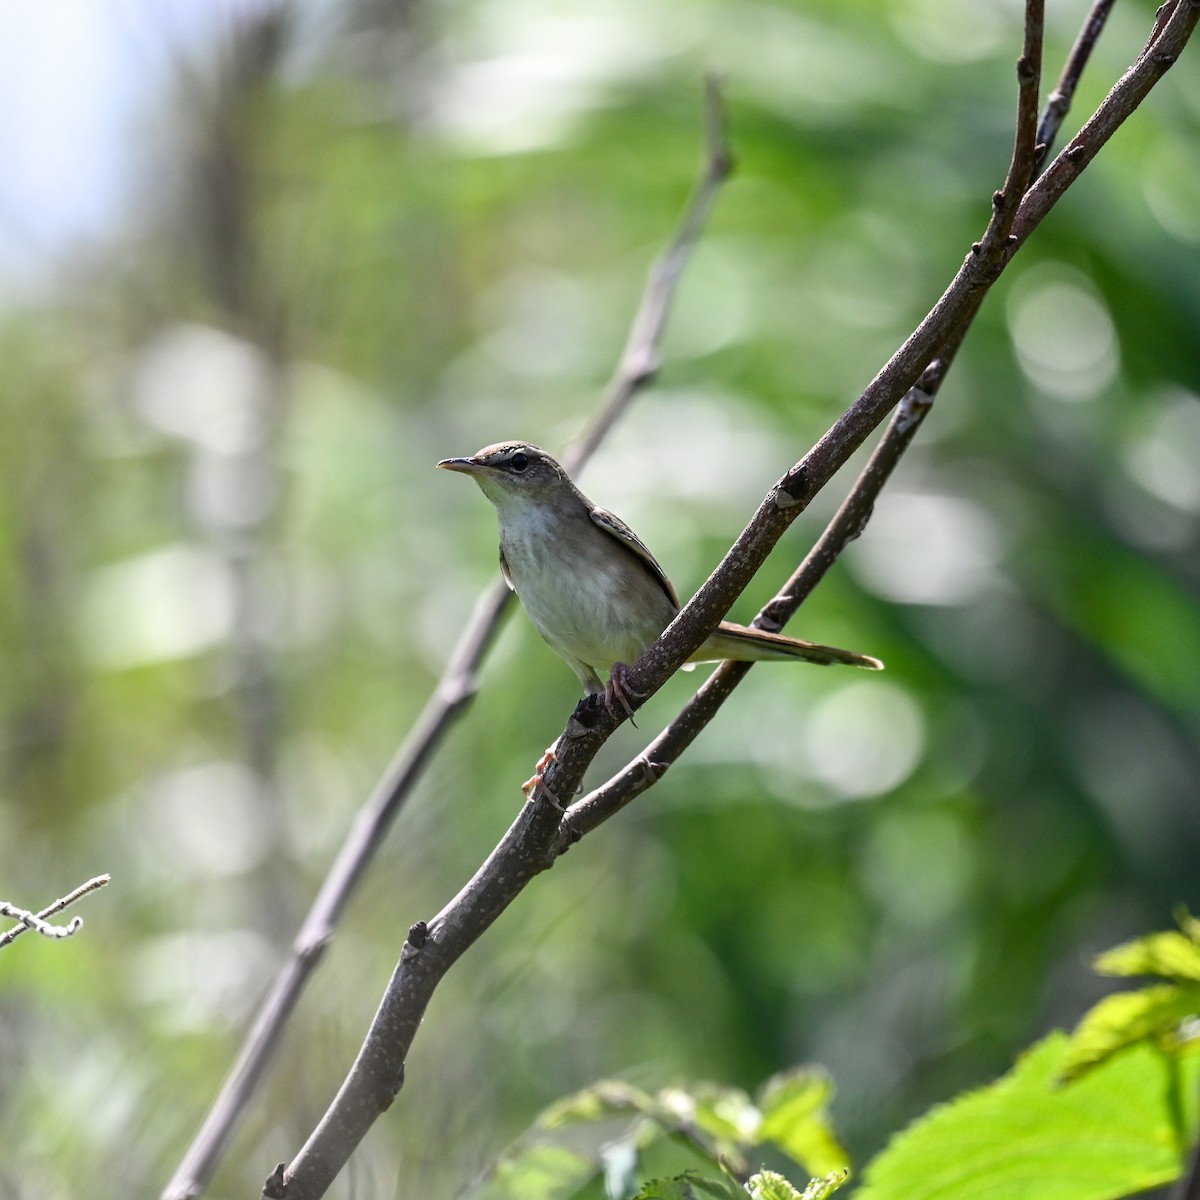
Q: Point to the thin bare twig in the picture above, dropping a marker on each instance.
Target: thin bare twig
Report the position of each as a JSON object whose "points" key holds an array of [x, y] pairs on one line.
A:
{"points": [[1173, 26], [639, 361], [533, 841], [454, 691], [1058, 103], [38, 921], [1029, 78]]}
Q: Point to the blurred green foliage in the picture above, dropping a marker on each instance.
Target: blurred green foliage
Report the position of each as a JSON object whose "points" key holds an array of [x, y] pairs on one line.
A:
{"points": [[610, 1138], [230, 576]]}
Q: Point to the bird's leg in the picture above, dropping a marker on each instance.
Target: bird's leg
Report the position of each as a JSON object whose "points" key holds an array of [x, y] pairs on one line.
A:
{"points": [[618, 691], [536, 780]]}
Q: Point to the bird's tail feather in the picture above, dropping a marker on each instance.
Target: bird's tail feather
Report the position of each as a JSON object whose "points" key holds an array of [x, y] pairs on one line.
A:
{"points": [[756, 645]]}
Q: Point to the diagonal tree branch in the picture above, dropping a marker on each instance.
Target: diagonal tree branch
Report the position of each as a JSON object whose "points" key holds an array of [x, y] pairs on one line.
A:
{"points": [[453, 693], [533, 841], [640, 359]]}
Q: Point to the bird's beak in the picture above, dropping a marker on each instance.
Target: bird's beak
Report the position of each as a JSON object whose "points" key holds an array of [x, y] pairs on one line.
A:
{"points": [[467, 466]]}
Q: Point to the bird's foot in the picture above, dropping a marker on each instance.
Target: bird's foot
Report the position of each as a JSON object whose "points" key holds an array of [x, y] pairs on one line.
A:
{"points": [[530, 787], [537, 780], [618, 691]]}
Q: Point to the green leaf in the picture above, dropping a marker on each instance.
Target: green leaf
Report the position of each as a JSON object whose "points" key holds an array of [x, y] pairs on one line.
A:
{"points": [[1153, 1014], [826, 1185], [726, 1115], [794, 1118], [1170, 955], [725, 1119], [690, 1186], [769, 1185], [602, 1099], [1108, 1135]]}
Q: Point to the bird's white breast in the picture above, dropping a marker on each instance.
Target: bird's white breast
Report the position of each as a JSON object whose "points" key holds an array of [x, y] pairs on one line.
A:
{"points": [[591, 600]]}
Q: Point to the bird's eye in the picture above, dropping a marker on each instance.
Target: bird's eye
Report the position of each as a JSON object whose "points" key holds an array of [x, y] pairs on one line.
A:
{"points": [[519, 461]]}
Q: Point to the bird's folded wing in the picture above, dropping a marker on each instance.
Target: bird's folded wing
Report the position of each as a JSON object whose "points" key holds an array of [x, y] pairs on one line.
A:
{"points": [[612, 524]]}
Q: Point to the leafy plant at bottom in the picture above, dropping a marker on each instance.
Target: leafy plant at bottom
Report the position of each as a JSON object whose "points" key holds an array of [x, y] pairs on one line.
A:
{"points": [[613, 1138], [1101, 1113]]}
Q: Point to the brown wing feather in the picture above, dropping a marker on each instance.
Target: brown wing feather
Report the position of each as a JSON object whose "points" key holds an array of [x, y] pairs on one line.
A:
{"points": [[612, 524]]}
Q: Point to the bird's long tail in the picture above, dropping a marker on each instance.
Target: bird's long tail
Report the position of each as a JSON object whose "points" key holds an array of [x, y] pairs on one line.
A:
{"points": [[755, 645]]}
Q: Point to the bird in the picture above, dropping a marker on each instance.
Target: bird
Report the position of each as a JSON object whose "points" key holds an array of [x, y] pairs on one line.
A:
{"points": [[590, 585]]}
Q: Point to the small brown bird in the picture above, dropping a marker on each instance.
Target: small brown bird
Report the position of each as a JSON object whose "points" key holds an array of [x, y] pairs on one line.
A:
{"points": [[590, 586]]}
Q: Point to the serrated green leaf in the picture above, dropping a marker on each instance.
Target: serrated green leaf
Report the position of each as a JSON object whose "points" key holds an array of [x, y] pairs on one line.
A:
{"points": [[1109, 1135], [690, 1186], [1168, 955], [770, 1185], [793, 1108], [1153, 1014], [826, 1185]]}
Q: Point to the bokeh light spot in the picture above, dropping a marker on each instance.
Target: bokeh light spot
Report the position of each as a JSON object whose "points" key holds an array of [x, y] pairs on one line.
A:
{"points": [[1063, 334], [865, 739]]}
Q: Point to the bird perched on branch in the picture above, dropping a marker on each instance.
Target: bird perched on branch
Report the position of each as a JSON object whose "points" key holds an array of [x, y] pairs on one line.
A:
{"points": [[589, 584]]}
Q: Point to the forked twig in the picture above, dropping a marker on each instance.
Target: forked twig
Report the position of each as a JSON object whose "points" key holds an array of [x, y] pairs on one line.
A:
{"points": [[39, 923]]}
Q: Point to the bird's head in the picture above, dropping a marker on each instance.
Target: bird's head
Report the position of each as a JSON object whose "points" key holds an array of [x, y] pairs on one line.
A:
{"points": [[512, 474]]}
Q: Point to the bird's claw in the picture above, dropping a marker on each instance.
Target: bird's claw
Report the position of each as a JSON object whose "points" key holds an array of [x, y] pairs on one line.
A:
{"points": [[618, 691], [537, 780]]}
